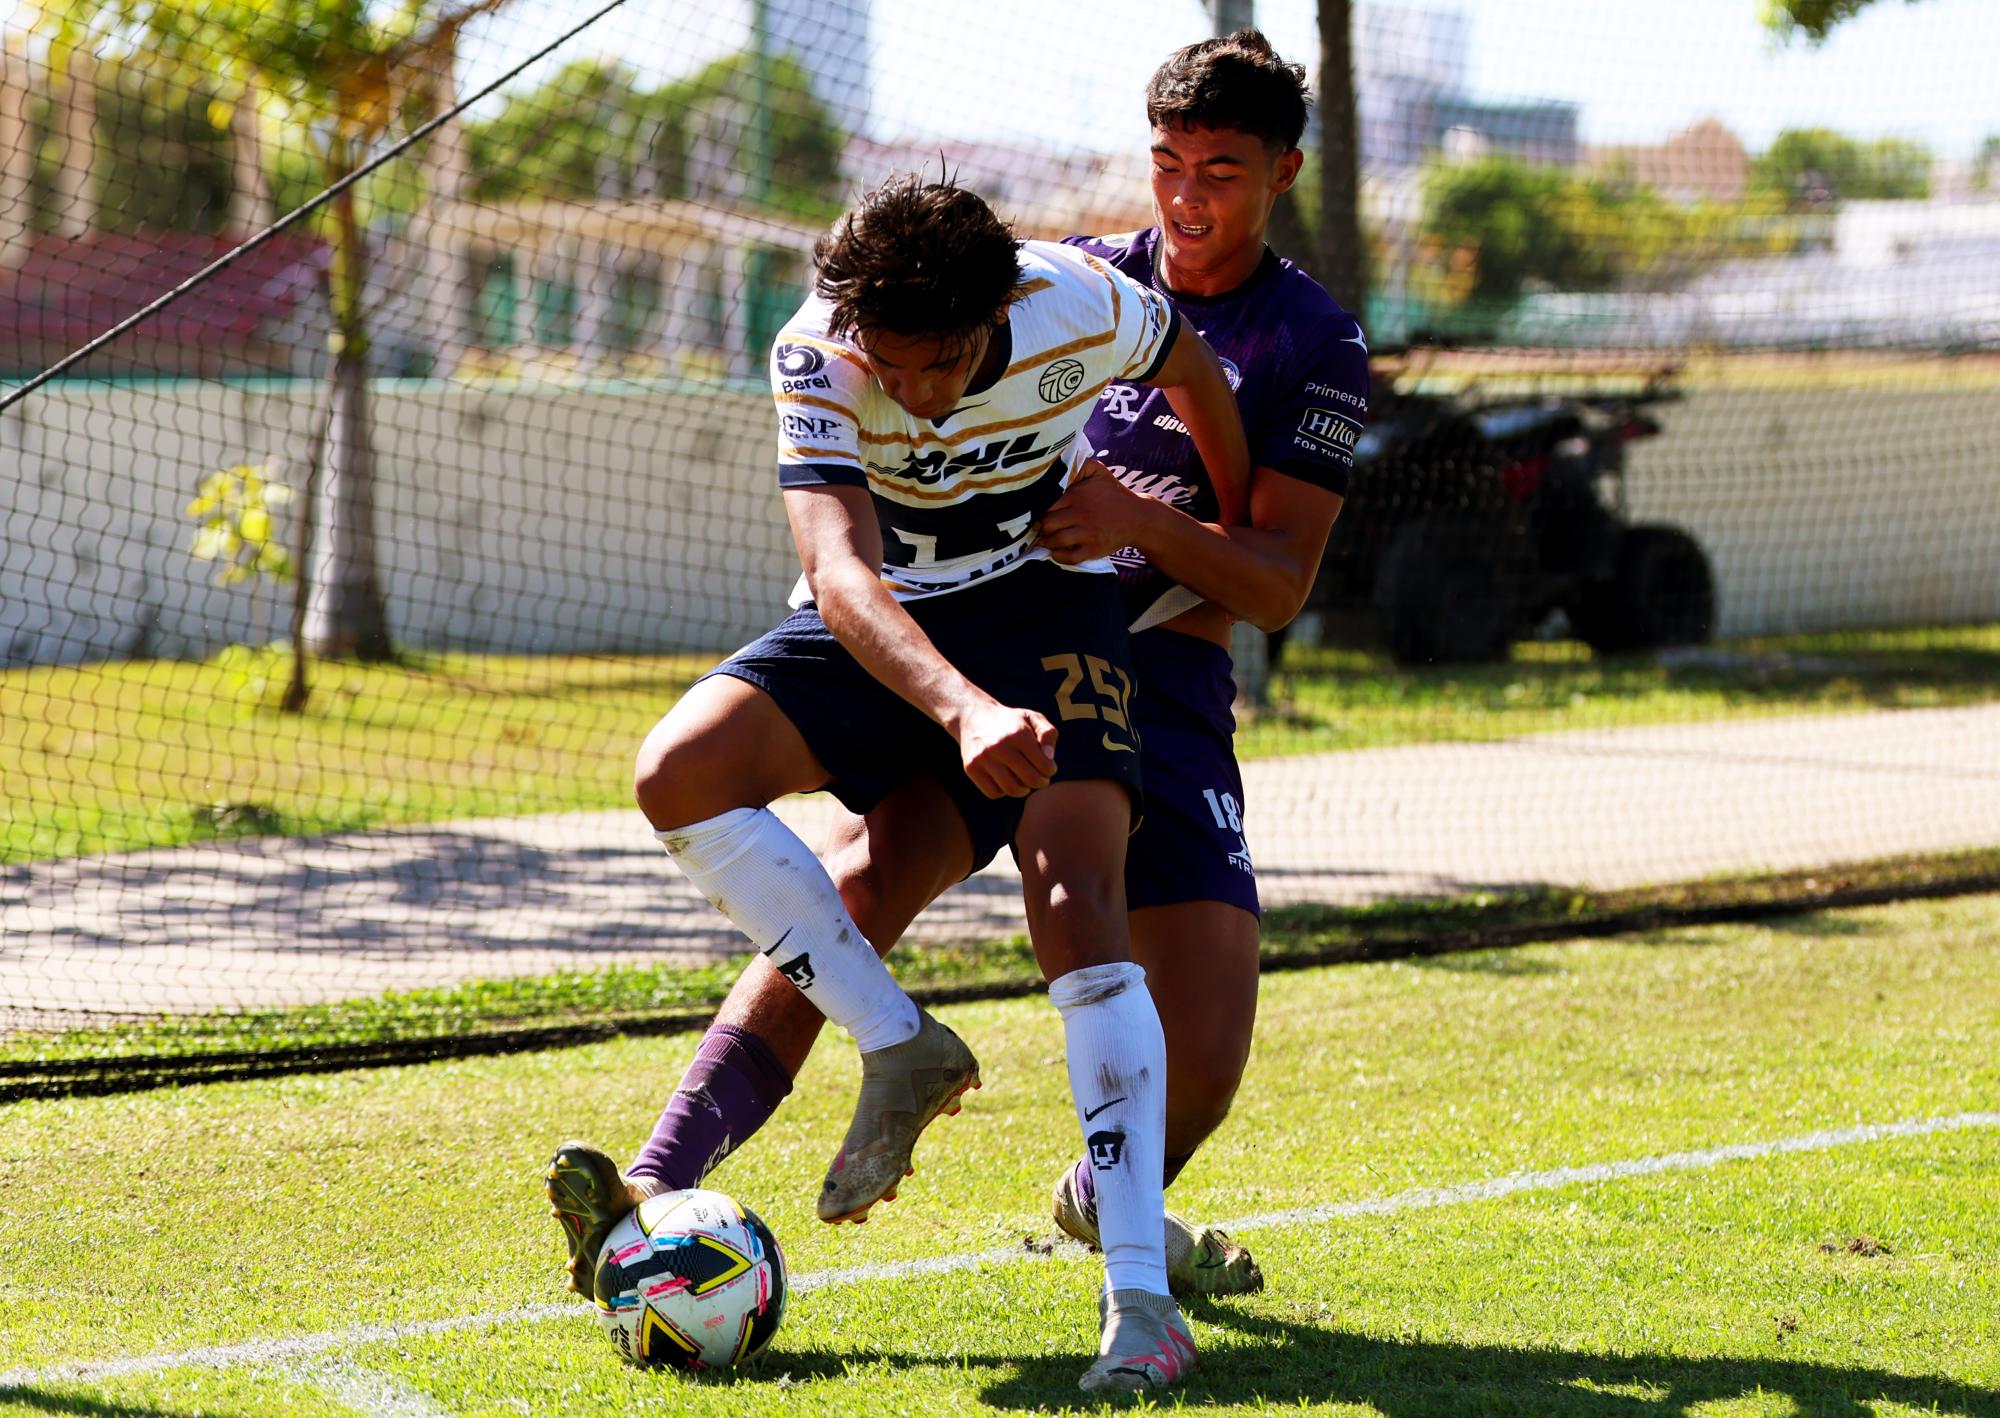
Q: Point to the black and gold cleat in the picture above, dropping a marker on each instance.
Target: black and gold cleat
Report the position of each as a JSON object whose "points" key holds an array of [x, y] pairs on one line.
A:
{"points": [[587, 1197]]}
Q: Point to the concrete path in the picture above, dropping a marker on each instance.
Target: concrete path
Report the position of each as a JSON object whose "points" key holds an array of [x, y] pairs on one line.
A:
{"points": [[286, 920]]}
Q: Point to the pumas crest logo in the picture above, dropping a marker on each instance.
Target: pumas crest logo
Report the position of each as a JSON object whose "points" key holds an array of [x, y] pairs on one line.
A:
{"points": [[1107, 1149], [1060, 380], [799, 971]]}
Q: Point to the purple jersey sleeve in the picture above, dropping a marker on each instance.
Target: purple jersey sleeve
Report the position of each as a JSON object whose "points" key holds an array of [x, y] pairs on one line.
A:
{"points": [[1298, 364], [1309, 432]]}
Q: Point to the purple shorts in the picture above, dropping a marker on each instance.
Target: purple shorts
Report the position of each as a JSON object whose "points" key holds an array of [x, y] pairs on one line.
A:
{"points": [[1190, 846]]}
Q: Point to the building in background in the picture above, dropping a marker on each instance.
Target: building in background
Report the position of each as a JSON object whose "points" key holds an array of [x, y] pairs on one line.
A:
{"points": [[1405, 62], [1705, 162], [829, 39], [1412, 102], [1044, 194], [68, 272]]}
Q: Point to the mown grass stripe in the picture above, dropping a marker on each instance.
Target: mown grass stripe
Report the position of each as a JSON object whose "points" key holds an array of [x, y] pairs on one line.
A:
{"points": [[308, 1346]]}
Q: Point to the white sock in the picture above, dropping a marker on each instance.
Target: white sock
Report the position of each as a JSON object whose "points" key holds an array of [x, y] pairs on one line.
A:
{"points": [[1118, 1076], [756, 871]]}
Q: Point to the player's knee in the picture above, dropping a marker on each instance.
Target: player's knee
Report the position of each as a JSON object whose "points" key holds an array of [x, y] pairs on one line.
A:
{"points": [[652, 785], [1084, 915], [667, 780]]}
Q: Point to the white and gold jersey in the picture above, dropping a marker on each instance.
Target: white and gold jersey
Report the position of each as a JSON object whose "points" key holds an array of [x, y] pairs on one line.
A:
{"points": [[958, 496]]}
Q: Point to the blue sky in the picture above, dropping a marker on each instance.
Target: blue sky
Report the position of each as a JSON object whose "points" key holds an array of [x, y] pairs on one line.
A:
{"points": [[1070, 71]]}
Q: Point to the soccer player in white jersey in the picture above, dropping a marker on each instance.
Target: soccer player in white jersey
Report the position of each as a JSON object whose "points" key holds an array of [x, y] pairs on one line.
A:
{"points": [[930, 399], [1227, 116]]}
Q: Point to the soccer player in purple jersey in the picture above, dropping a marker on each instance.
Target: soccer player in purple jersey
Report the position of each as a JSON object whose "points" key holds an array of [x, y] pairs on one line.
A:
{"points": [[1227, 115], [930, 396]]}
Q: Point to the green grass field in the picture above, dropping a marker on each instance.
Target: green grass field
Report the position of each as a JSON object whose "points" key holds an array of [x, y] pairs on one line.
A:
{"points": [[153, 753], [390, 1225]]}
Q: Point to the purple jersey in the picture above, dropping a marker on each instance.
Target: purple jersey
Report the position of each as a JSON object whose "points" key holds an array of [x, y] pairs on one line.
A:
{"points": [[1299, 365]]}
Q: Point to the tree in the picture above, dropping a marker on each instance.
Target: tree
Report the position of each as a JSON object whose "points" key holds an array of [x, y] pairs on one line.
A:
{"points": [[1815, 19], [1340, 266], [1816, 167], [1524, 223], [592, 122], [340, 75], [163, 155]]}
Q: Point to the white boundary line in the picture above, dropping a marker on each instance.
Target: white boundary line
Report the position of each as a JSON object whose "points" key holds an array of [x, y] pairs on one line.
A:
{"points": [[368, 1392], [307, 1346]]}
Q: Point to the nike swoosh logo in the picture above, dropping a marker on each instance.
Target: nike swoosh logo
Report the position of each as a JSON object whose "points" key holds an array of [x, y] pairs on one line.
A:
{"points": [[776, 943], [1090, 1113], [1117, 747]]}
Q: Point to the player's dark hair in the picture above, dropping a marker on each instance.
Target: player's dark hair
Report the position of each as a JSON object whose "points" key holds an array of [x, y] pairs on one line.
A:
{"points": [[918, 258], [1237, 82]]}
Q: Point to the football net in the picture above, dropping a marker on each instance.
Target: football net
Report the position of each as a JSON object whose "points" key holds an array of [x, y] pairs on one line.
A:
{"points": [[348, 558]]}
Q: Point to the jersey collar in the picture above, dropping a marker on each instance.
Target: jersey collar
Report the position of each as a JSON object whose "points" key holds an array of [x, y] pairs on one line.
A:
{"points": [[1264, 269]]}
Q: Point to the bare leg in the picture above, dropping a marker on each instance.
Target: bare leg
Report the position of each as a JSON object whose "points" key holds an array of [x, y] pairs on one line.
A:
{"points": [[725, 745], [1072, 848], [1201, 967]]}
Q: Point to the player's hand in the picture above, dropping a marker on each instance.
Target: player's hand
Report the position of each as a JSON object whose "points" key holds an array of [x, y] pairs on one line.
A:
{"points": [[1007, 752], [1096, 516]]}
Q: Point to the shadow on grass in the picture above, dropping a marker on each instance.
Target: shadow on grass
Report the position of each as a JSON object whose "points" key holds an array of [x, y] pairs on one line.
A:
{"points": [[1289, 1365], [32, 1399], [1411, 1377]]}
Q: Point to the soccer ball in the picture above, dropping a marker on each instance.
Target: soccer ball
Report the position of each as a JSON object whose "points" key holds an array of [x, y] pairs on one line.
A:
{"points": [[690, 1280]]}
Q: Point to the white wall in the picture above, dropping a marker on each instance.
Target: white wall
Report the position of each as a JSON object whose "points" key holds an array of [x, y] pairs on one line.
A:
{"points": [[1828, 509], [529, 521], [541, 520]]}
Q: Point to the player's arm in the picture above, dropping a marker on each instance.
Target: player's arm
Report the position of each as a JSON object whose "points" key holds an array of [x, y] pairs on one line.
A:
{"points": [[1199, 393], [1007, 752], [1261, 573]]}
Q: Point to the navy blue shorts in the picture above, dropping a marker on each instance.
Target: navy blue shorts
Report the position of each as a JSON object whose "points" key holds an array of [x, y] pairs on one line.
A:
{"points": [[1038, 637], [1191, 845]]}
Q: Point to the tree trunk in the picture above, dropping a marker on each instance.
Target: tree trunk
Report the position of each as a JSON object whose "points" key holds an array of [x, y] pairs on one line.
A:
{"points": [[1340, 267], [298, 688], [346, 617], [1287, 234]]}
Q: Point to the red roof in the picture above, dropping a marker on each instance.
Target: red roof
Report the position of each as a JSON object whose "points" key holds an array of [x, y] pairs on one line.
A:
{"points": [[68, 291]]}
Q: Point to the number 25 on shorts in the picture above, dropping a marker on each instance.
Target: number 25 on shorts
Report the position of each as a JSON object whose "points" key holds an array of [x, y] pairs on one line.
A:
{"points": [[1113, 699]]}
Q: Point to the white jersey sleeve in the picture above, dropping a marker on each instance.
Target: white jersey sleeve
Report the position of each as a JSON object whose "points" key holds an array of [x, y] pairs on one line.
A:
{"points": [[819, 386], [1138, 324]]}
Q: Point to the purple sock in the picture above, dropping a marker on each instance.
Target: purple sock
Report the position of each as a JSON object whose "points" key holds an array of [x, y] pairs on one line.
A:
{"points": [[730, 1090], [1085, 1186]]}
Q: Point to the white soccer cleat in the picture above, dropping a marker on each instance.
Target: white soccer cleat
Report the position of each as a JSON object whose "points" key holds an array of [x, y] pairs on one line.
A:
{"points": [[1145, 1344]]}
